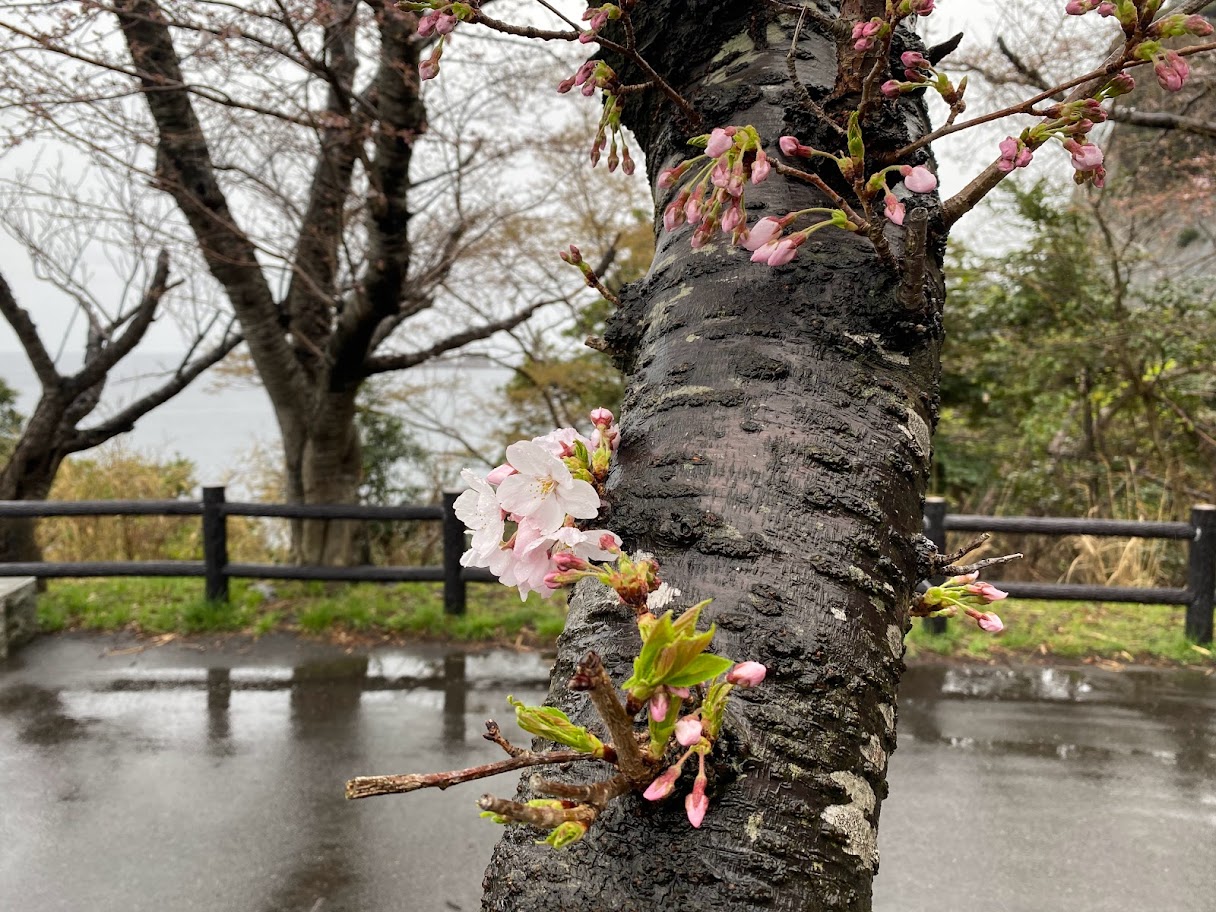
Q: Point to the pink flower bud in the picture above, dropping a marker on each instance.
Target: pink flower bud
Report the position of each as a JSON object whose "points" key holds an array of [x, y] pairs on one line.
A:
{"points": [[762, 232], [1085, 157], [609, 542], [602, 418], [918, 179], [426, 25], [568, 560], [760, 168], [429, 68], [747, 674], [719, 142], [688, 731], [785, 250], [891, 88], [1171, 71], [962, 580], [499, 473], [990, 623], [922, 7], [696, 804], [915, 60], [732, 219], [791, 147], [988, 592], [1198, 26], [659, 706], [664, 785], [446, 22], [895, 210]]}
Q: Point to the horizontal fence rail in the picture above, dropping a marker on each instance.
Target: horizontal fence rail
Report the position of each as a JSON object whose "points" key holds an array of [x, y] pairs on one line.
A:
{"points": [[216, 570]]}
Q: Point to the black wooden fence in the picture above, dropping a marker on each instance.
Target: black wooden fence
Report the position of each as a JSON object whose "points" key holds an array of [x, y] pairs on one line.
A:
{"points": [[215, 568], [1200, 533], [1197, 596]]}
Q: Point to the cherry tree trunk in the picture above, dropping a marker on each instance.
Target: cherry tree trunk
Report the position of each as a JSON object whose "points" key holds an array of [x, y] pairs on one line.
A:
{"points": [[774, 454]]}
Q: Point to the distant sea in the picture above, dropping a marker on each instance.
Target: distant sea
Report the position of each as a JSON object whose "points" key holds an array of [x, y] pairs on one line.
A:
{"points": [[218, 427]]}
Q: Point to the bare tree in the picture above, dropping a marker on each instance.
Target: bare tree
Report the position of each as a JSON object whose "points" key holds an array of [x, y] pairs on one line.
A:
{"points": [[328, 209], [54, 429]]}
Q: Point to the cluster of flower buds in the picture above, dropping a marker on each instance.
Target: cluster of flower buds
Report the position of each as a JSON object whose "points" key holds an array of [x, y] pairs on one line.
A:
{"points": [[673, 660], [713, 197], [920, 73], [1070, 123], [867, 34], [592, 75], [596, 18], [439, 18], [962, 593], [545, 485]]}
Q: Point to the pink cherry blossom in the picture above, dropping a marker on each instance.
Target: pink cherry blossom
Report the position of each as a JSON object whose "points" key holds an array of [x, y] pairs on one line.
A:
{"points": [[747, 674], [919, 179], [762, 232], [688, 731]]}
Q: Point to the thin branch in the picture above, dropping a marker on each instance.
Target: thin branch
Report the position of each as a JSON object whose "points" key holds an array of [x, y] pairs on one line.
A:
{"points": [[819, 184], [369, 786], [27, 334], [964, 569], [594, 679]]}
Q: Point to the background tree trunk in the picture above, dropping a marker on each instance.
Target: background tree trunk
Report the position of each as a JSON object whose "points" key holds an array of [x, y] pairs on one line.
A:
{"points": [[775, 449]]}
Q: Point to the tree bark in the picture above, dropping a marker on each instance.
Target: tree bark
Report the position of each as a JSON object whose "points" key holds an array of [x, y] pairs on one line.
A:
{"points": [[774, 454]]}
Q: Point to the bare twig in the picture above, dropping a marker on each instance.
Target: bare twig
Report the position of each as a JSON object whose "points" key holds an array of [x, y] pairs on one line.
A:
{"points": [[821, 185], [945, 560], [964, 569], [369, 786], [494, 733]]}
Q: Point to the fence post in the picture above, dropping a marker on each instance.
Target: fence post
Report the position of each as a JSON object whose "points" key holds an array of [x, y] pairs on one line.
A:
{"points": [[453, 548], [935, 515], [1201, 574], [215, 545]]}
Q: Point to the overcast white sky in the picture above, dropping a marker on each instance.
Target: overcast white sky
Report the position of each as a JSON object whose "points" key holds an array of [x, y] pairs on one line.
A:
{"points": [[54, 312]]}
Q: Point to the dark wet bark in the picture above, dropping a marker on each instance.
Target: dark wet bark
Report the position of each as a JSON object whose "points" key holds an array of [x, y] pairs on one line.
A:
{"points": [[775, 450]]}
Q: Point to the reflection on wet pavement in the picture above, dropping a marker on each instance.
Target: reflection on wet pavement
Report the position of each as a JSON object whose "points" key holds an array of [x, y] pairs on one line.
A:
{"points": [[174, 779]]}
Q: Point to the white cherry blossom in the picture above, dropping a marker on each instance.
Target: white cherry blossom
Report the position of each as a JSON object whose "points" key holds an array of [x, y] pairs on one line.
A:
{"points": [[543, 490]]}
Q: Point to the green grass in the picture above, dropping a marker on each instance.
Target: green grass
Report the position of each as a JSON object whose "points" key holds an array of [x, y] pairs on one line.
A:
{"points": [[1072, 630], [155, 606]]}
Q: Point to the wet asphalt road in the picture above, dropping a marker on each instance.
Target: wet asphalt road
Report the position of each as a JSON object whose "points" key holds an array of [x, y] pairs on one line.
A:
{"points": [[184, 779]]}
